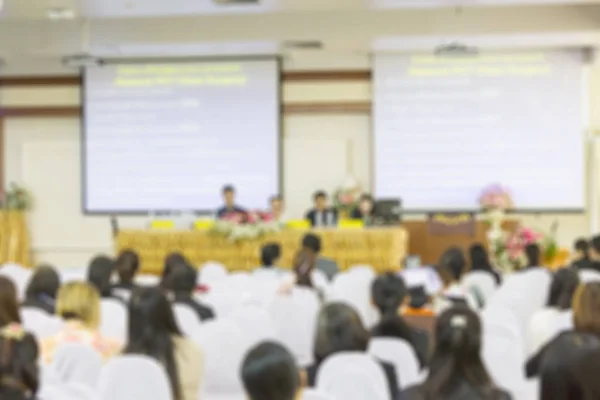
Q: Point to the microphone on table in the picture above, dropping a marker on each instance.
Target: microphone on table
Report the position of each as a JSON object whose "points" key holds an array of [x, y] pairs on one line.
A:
{"points": [[114, 224]]}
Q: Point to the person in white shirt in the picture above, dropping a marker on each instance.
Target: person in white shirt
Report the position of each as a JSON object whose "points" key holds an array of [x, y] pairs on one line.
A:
{"points": [[451, 267], [557, 315]]}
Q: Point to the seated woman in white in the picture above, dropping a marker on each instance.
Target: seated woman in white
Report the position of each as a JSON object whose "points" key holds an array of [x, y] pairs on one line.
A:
{"points": [[557, 315], [451, 268]]}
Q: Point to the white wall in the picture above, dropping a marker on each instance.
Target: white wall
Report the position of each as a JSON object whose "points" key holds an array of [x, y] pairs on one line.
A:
{"points": [[320, 151]]}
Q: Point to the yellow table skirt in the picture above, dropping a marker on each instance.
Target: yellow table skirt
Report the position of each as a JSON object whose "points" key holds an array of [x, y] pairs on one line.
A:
{"points": [[14, 238], [382, 248]]}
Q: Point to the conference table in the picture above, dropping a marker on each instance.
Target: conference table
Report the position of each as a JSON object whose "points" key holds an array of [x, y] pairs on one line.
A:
{"points": [[383, 248]]}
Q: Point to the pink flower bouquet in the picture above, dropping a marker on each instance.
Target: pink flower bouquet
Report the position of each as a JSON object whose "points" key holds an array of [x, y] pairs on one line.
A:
{"points": [[495, 197]]}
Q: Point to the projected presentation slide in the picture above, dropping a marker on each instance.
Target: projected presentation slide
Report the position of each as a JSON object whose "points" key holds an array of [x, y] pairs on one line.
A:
{"points": [[167, 137], [446, 127]]}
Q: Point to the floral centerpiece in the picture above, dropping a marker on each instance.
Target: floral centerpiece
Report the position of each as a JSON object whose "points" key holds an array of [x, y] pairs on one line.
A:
{"points": [[245, 226], [346, 197], [510, 251], [16, 198]]}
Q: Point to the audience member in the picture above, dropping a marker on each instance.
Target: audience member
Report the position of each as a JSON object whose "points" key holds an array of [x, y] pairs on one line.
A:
{"points": [[9, 304], [127, 266], [269, 372], [172, 261], [229, 207], [329, 267], [100, 272], [451, 267], [182, 283], [78, 304], [420, 304], [456, 369], [581, 254], [569, 370], [322, 215], [594, 254], [388, 294], [365, 209], [339, 329], [586, 308], [153, 332], [480, 261], [19, 375], [556, 316], [42, 288], [270, 254], [533, 256]]}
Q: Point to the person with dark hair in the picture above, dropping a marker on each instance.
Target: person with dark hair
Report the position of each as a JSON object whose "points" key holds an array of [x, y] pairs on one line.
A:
{"points": [[19, 373], [570, 368], [127, 266], [229, 207], [451, 267], [312, 242], [586, 308], [480, 261], [42, 288], [581, 256], [594, 252], [9, 304], [153, 332], [340, 329], [172, 261], [388, 294], [557, 315], [322, 215], [100, 272], [456, 368], [276, 209], [533, 255], [182, 283], [270, 254], [269, 372], [365, 209]]}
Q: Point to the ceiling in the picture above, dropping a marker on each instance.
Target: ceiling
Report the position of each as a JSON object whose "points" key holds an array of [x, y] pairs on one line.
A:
{"points": [[122, 28]]}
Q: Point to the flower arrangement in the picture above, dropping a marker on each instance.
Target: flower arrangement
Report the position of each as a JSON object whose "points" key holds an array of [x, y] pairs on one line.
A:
{"points": [[16, 198], [509, 251], [495, 197], [345, 199], [244, 226]]}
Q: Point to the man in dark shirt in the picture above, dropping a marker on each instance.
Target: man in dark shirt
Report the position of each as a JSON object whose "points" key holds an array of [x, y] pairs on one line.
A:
{"points": [[594, 262], [230, 207], [321, 215], [581, 260], [182, 283]]}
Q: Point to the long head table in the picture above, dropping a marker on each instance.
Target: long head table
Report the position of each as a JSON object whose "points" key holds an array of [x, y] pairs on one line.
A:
{"points": [[382, 248]]}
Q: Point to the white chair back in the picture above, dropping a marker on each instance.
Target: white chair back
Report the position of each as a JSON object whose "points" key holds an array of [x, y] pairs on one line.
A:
{"points": [[354, 288], [401, 355], [72, 274], [545, 325], [40, 323], [295, 318], [224, 345], [352, 376], [311, 394], [187, 319], [320, 280], [133, 377], [481, 281], [113, 319], [77, 363], [211, 273], [255, 322], [147, 280], [19, 275], [589, 275]]}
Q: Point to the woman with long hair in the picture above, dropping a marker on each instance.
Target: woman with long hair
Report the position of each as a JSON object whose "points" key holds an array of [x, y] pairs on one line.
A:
{"points": [[388, 293], [586, 309], [127, 266], [153, 332], [19, 375], [480, 261], [456, 369], [557, 314], [451, 267], [340, 329], [9, 304], [42, 288], [100, 272]]}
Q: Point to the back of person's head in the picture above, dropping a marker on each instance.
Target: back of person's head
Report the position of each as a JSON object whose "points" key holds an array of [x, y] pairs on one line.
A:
{"points": [[269, 254], [595, 248], [312, 242], [457, 355], [152, 326], [418, 296], [182, 280], [569, 368], [452, 265], [388, 292], [9, 303], [100, 273], [304, 265], [19, 375], [44, 282], [269, 372], [79, 301], [479, 258], [127, 265], [172, 261], [533, 254], [564, 284], [583, 248], [339, 328], [586, 308]]}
